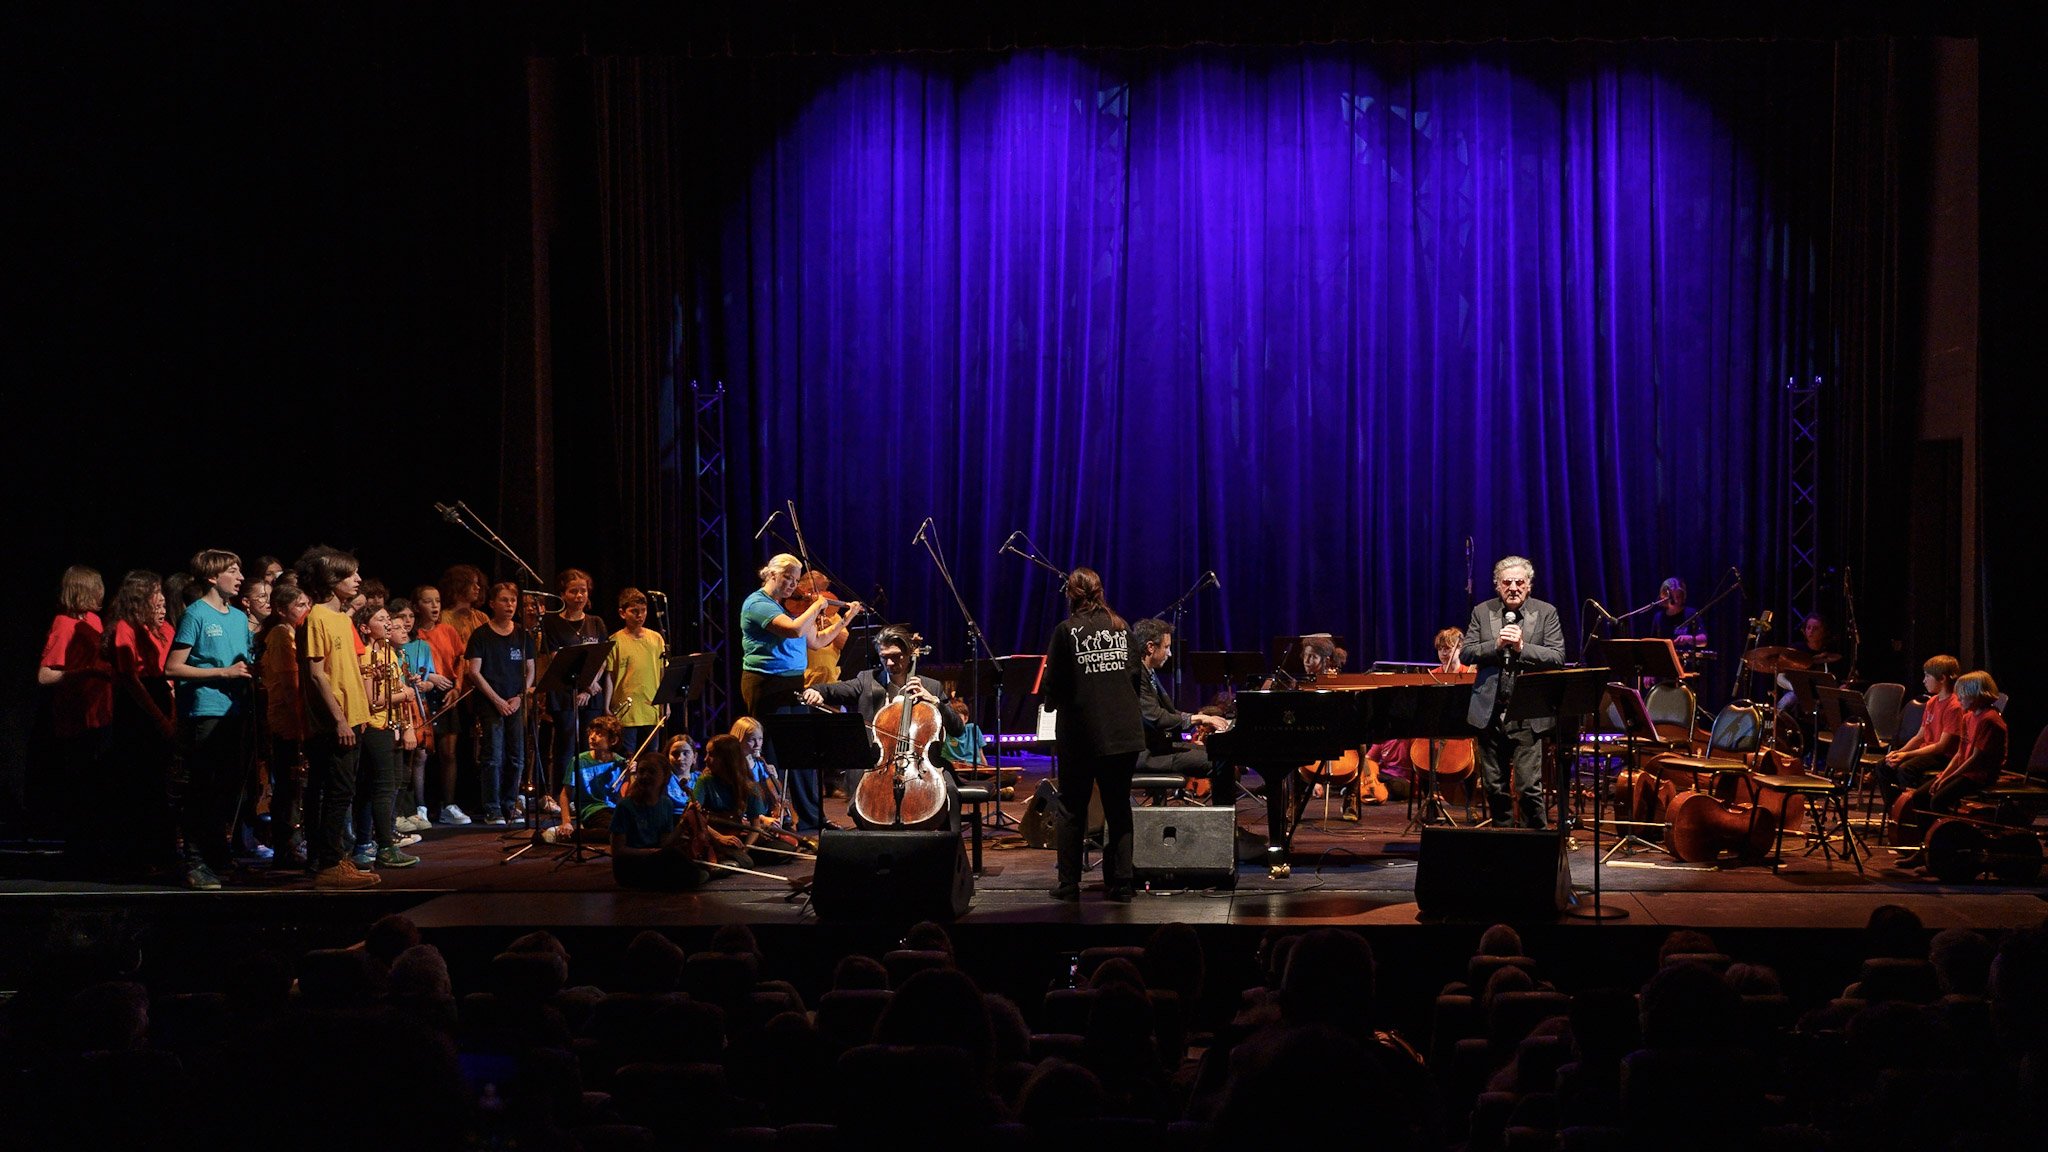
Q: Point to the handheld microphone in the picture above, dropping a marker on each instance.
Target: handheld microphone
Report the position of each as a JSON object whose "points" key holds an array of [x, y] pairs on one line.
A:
{"points": [[1507, 617], [448, 512]]}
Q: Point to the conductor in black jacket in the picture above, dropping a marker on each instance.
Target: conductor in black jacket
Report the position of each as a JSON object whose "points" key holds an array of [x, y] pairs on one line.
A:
{"points": [[1092, 675], [1510, 634]]}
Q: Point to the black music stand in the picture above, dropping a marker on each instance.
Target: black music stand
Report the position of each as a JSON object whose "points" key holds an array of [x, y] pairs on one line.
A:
{"points": [[999, 677], [820, 742], [1227, 668], [567, 671], [1558, 696], [1806, 687], [1433, 712], [682, 682], [1630, 660]]}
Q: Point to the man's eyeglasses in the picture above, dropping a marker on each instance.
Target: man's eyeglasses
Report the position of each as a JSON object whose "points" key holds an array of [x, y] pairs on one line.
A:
{"points": [[1510, 583]]}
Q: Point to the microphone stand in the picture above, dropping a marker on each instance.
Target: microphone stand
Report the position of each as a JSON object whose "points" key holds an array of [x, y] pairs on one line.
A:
{"points": [[1600, 620], [529, 790], [977, 644], [1635, 612], [1174, 610], [1031, 557]]}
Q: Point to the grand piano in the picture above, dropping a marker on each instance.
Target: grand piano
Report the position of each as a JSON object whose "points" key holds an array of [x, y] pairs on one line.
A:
{"points": [[1278, 732]]}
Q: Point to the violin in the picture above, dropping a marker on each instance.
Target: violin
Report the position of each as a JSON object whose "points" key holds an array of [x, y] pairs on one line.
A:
{"points": [[906, 788]]}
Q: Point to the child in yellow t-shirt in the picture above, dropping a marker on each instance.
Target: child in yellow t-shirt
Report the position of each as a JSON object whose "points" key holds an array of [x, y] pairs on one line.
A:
{"points": [[635, 670], [337, 711]]}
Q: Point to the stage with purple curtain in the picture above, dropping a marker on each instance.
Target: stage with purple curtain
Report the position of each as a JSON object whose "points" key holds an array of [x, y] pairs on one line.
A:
{"points": [[1308, 318]]}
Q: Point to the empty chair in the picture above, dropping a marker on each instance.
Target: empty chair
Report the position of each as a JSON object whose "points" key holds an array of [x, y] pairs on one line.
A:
{"points": [[1673, 710], [1886, 703], [1827, 796]]}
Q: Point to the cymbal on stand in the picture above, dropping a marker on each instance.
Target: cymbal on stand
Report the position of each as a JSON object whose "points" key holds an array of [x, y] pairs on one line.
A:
{"points": [[1773, 660]]}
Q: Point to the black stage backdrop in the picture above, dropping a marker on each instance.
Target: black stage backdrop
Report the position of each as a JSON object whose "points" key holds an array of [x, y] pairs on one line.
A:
{"points": [[292, 276]]}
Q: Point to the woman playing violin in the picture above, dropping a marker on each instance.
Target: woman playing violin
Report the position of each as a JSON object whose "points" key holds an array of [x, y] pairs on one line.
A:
{"points": [[823, 660]]}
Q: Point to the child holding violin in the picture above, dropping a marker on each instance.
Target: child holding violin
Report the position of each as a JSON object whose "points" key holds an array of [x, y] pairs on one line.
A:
{"points": [[767, 781], [651, 847], [591, 790], [731, 801]]}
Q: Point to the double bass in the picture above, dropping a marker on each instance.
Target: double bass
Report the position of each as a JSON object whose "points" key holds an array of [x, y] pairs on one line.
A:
{"points": [[906, 788]]}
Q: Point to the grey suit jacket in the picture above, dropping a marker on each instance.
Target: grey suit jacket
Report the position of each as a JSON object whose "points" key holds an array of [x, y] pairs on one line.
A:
{"points": [[1542, 647]]}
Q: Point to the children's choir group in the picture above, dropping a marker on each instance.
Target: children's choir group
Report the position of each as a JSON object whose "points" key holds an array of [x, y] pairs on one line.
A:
{"points": [[289, 718]]}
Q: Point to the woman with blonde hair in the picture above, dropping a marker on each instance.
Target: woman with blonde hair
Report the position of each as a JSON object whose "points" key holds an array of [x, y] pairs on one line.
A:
{"points": [[774, 654]]}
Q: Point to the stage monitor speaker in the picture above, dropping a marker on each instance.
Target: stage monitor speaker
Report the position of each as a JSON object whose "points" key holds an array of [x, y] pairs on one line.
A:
{"points": [[891, 876], [1492, 874], [1184, 847]]}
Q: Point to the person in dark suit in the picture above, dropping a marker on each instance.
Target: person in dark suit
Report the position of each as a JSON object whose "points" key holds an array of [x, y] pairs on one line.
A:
{"points": [[1165, 751], [873, 689], [1507, 635]]}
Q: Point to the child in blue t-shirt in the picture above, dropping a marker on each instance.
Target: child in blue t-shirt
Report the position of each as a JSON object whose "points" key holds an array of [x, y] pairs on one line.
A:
{"points": [[681, 758], [594, 784], [413, 742], [211, 661]]}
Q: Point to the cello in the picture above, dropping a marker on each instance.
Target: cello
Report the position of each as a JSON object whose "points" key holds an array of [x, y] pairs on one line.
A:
{"points": [[906, 788]]}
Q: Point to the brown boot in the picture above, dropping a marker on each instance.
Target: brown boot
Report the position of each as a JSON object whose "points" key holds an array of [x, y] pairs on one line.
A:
{"points": [[345, 876]]}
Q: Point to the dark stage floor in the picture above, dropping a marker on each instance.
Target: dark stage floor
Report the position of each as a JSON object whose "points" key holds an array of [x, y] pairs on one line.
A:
{"points": [[1343, 873]]}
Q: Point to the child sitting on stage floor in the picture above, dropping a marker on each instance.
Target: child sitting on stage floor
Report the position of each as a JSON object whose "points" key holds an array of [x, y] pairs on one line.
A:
{"points": [[592, 789]]}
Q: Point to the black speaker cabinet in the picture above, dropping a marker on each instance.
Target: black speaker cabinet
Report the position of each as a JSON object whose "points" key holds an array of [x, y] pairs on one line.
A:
{"points": [[891, 876], [1492, 874], [1174, 847]]}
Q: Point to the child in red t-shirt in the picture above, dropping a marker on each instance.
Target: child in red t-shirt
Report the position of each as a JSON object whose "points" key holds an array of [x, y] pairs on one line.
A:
{"points": [[143, 734], [1940, 731]]}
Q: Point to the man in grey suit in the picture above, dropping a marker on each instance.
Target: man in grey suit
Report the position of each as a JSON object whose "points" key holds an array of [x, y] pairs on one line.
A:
{"points": [[1510, 634]]}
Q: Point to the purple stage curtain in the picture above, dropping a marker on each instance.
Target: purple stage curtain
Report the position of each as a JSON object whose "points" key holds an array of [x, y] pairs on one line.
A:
{"points": [[1309, 318]]}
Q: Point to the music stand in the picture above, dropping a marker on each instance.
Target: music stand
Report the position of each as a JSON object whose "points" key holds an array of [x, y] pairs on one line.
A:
{"points": [[681, 683], [568, 671], [1018, 673], [1433, 712], [819, 742], [1806, 697], [1555, 696], [1227, 668], [1631, 661]]}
